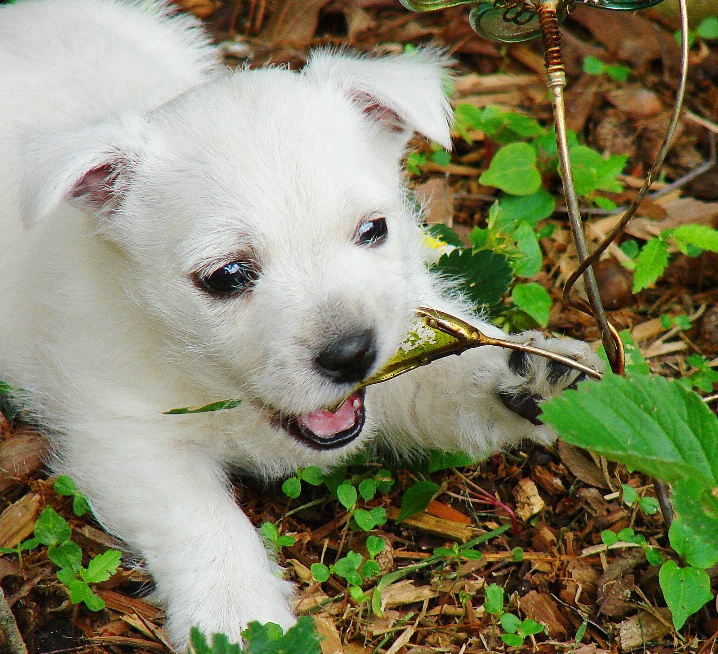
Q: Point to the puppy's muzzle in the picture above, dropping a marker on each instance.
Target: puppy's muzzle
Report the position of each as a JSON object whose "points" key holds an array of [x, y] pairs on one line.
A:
{"points": [[348, 358]]}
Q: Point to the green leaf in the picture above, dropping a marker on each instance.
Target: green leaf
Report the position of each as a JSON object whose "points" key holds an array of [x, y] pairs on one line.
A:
{"points": [[4, 388], [700, 236], [608, 537], [653, 556], [510, 622], [650, 264], [513, 169], [618, 72], [512, 640], [690, 546], [370, 569], [92, 601], [66, 555], [214, 406], [494, 599], [593, 65], [51, 528], [347, 495], [364, 519], [270, 531], [649, 505], [708, 28], [292, 487], [417, 498], [698, 507], [367, 489], [484, 276], [384, 480], [268, 639], [635, 363], [64, 485], [375, 545], [534, 300], [593, 173], [445, 234], [630, 496], [648, 423], [517, 554], [379, 515], [440, 460], [312, 475], [472, 555], [516, 209], [531, 259], [102, 567], [685, 590], [80, 505], [441, 157], [530, 628], [320, 572]]}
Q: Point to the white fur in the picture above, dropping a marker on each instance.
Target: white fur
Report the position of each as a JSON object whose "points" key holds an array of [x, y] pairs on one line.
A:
{"points": [[103, 327]]}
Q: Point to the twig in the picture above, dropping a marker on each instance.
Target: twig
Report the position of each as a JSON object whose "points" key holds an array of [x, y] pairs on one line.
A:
{"points": [[9, 633]]}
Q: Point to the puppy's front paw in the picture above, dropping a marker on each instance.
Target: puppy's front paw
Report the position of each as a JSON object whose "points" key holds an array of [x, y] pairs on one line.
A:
{"points": [[531, 378]]}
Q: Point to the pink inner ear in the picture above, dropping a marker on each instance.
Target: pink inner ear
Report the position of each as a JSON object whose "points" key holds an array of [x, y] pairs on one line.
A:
{"points": [[96, 187], [380, 113]]}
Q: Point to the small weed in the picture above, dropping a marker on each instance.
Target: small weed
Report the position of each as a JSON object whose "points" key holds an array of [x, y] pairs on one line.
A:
{"points": [[516, 630]]}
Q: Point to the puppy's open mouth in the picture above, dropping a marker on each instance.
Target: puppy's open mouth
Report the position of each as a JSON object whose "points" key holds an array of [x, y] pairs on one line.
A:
{"points": [[325, 429]]}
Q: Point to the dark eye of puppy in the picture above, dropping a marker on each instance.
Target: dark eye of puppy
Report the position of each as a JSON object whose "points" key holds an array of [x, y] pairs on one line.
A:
{"points": [[371, 232], [233, 277]]}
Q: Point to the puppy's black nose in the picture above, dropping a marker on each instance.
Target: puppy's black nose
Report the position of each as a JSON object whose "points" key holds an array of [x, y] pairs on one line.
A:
{"points": [[348, 358]]}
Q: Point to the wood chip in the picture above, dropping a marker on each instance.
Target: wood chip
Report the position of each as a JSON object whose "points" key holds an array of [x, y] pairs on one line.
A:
{"points": [[643, 628], [542, 608], [436, 526], [20, 456], [17, 522], [129, 605], [405, 592], [474, 83], [528, 500], [581, 466], [331, 642]]}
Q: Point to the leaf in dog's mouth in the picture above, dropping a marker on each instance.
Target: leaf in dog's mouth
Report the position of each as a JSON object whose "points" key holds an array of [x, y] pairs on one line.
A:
{"points": [[434, 335]]}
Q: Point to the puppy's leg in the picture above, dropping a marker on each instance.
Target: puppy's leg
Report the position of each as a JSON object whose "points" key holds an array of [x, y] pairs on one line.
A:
{"points": [[481, 400], [171, 502]]}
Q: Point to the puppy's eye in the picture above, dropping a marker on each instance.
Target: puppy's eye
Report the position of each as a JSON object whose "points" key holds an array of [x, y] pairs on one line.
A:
{"points": [[371, 232], [231, 278]]}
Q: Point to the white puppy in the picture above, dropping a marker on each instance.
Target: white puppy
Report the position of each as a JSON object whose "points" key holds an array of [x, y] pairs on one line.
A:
{"points": [[172, 234]]}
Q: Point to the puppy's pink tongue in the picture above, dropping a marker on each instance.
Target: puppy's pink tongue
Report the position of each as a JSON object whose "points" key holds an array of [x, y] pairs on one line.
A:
{"points": [[324, 423]]}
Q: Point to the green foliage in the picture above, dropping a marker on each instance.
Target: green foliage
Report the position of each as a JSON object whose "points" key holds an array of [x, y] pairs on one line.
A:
{"points": [[484, 276], [516, 630], [221, 405], [271, 533], [513, 169], [534, 300], [455, 553], [417, 498], [659, 427], [707, 30], [259, 638], [312, 475], [594, 66], [354, 569], [653, 257], [704, 377], [65, 486]]}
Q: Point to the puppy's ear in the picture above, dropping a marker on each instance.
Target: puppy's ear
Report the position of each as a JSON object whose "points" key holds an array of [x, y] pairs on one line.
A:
{"points": [[403, 94], [90, 166]]}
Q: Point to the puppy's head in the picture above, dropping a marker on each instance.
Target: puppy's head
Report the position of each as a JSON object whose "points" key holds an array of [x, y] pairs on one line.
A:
{"points": [[263, 221]]}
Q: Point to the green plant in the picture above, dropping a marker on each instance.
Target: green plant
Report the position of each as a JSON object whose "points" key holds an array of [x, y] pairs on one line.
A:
{"points": [[662, 429], [594, 66], [312, 475], [261, 639], [271, 533], [516, 630], [365, 519], [353, 568], [704, 377], [65, 486], [651, 260], [707, 30], [53, 531]]}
